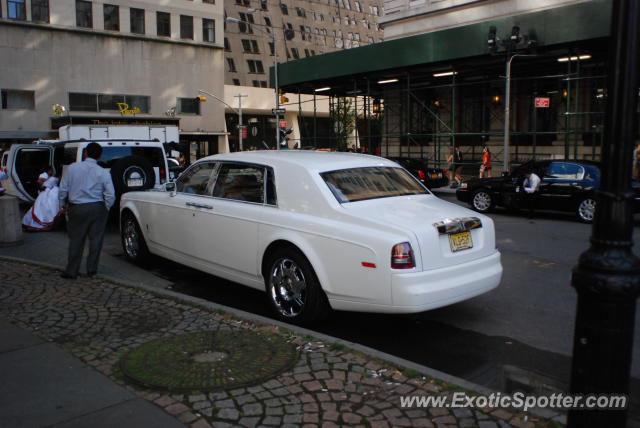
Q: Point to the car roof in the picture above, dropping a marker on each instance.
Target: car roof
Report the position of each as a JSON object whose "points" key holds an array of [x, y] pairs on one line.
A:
{"points": [[320, 161]]}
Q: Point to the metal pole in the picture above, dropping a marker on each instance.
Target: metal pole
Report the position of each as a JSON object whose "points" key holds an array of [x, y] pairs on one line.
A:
{"points": [[507, 101], [275, 74], [240, 125], [607, 277]]}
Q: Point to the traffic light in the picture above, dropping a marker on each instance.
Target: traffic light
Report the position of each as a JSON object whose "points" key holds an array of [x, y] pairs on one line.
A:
{"points": [[283, 99], [201, 99]]}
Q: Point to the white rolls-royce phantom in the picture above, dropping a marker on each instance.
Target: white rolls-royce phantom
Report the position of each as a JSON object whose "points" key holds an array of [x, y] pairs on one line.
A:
{"points": [[316, 230]]}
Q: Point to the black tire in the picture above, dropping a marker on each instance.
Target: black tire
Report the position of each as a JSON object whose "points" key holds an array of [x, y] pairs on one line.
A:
{"points": [[303, 306], [132, 167], [133, 243], [482, 201], [586, 209]]}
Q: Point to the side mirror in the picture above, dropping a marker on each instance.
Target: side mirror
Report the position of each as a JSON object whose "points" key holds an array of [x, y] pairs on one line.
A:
{"points": [[170, 187]]}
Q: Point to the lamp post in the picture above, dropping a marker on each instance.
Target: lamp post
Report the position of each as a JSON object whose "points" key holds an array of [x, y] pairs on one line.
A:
{"points": [[238, 112], [507, 110], [275, 67], [607, 277]]}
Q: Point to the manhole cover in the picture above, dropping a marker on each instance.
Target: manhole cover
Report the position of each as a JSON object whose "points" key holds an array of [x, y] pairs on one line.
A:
{"points": [[207, 361]]}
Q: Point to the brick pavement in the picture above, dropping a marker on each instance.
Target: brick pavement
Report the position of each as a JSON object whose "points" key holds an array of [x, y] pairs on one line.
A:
{"points": [[99, 321]]}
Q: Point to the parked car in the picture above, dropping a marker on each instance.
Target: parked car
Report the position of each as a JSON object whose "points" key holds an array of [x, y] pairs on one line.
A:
{"points": [[316, 230], [134, 164], [566, 185], [419, 168]]}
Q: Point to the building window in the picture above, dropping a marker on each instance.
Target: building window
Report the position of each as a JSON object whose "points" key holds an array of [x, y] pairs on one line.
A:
{"points": [[236, 82], [188, 106], [227, 45], [250, 46], [17, 100], [244, 26], [272, 48], [111, 17], [209, 1], [108, 102], [356, 6], [294, 52], [84, 14], [284, 9], [307, 53], [231, 65], [300, 11], [16, 9], [208, 30], [255, 66], [163, 24], [302, 33], [267, 22], [40, 10], [259, 83], [137, 20], [186, 27], [263, 5]]}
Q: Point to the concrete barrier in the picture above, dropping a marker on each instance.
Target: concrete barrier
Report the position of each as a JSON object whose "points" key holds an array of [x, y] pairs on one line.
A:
{"points": [[10, 221]]}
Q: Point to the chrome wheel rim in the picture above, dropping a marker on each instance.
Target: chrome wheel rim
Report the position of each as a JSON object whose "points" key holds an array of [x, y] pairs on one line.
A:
{"points": [[131, 239], [481, 201], [287, 287], [587, 209]]}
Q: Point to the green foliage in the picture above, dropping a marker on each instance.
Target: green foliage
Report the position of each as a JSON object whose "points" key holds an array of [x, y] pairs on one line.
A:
{"points": [[343, 115]]}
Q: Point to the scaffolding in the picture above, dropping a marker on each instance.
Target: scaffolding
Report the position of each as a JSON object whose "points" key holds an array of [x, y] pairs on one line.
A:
{"points": [[424, 116]]}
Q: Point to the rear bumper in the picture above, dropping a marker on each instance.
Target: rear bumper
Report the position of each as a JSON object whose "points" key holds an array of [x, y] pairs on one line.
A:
{"points": [[421, 291]]}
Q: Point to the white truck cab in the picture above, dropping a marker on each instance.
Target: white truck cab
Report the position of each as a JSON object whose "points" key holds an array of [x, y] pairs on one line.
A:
{"points": [[134, 155]]}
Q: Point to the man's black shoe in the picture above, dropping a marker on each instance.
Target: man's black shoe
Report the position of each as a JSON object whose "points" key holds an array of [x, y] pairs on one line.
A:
{"points": [[67, 276]]}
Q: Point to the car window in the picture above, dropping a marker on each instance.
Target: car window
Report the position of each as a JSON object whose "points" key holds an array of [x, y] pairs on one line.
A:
{"points": [[357, 184], [272, 198], [111, 154], [240, 182], [197, 179], [565, 171]]}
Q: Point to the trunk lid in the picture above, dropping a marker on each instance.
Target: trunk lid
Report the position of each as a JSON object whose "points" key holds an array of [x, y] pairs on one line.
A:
{"points": [[417, 214]]}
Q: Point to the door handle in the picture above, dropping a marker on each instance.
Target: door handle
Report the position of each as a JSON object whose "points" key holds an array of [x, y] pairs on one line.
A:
{"points": [[194, 205]]}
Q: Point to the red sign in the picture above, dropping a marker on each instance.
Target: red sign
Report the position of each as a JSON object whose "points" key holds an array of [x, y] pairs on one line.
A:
{"points": [[283, 124], [244, 132], [543, 102]]}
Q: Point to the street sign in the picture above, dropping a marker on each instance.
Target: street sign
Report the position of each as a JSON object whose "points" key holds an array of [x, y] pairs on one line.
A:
{"points": [[543, 102], [283, 124], [278, 111]]}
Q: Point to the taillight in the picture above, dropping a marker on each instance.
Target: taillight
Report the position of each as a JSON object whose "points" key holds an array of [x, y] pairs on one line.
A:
{"points": [[163, 175], [402, 256], [421, 174]]}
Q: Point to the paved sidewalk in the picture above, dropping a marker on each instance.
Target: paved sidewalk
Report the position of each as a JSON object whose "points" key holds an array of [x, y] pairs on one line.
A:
{"points": [[97, 322]]}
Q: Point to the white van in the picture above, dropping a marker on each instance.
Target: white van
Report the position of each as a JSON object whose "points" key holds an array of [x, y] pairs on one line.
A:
{"points": [[135, 164]]}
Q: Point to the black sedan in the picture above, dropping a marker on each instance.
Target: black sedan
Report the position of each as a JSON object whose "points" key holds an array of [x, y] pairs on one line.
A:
{"points": [[566, 185], [432, 178]]}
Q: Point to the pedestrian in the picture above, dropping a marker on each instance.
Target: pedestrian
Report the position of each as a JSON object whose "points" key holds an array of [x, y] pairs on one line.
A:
{"points": [[43, 177], [87, 190], [531, 187], [455, 167], [486, 163], [636, 163]]}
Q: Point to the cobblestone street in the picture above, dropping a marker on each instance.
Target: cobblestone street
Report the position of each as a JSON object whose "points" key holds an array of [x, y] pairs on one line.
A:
{"points": [[98, 322]]}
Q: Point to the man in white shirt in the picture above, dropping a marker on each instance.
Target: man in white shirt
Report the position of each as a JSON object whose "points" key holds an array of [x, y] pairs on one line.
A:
{"points": [[531, 186], [87, 189]]}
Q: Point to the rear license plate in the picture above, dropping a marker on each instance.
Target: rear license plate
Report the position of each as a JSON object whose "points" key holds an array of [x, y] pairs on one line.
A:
{"points": [[135, 182], [460, 241]]}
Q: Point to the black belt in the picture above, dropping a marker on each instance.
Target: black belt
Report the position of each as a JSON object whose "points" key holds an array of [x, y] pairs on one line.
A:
{"points": [[85, 203]]}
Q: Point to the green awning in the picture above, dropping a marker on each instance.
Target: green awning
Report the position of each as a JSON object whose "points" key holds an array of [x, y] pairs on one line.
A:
{"points": [[555, 26]]}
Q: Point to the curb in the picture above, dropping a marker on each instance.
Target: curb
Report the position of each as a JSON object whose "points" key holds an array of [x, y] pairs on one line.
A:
{"points": [[550, 414]]}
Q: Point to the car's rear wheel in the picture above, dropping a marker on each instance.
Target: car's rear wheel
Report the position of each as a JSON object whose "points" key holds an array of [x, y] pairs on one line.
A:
{"points": [[586, 209], [133, 243], [482, 201], [293, 289]]}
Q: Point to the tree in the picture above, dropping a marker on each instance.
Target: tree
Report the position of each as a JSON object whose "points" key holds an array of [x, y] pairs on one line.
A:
{"points": [[343, 115]]}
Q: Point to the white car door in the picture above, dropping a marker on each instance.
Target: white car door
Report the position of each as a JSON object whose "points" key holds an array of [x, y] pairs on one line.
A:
{"points": [[26, 163], [174, 220]]}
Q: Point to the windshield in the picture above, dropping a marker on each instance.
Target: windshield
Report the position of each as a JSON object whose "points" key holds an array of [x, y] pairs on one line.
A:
{"points": [[112, 154], [357, 184]]}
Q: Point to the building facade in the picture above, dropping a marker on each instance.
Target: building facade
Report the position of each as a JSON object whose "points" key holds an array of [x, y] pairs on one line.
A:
{"points": [[136, 61], [302, 29], [444, 84]]}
